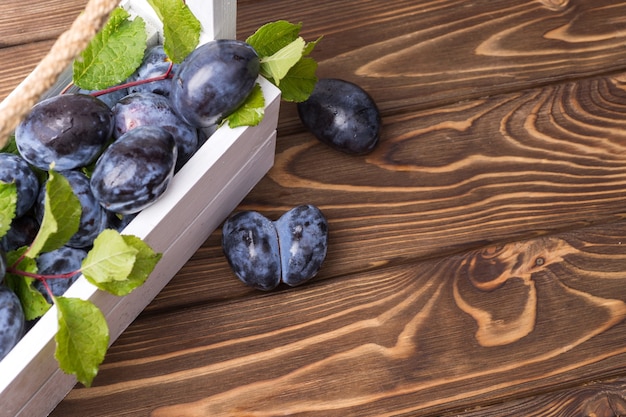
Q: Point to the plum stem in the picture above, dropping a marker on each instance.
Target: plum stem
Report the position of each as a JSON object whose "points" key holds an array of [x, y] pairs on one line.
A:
{"points": [[41, 277], [161, 77]]}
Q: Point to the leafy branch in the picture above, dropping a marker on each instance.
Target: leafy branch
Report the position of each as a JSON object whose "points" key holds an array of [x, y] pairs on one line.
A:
{"points": [[116, 263]]}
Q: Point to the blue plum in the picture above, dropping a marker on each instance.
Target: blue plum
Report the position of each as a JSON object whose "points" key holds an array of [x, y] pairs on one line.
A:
{"points": [[135, 170], [21, 233], [69, 130], [155, 63], [64, 260], [250, 244], [108, 98], [262, 253], [14, 168], [3, 265], [11, 320], [342, 115], [150, 109], [213, 81], [303, 240], [117, 221], [93, 218]]}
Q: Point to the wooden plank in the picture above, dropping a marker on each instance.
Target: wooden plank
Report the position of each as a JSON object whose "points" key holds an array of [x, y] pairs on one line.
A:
{"points": [[503, 129], [421, 54], [606, 398], [414, 341], [21, 60], [42, 20]]}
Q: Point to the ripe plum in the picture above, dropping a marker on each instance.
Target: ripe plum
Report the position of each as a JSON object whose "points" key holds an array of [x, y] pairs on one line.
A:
{"points": [[155, 63], [11, 320], [250, 244], [69, 130], [150, 109], [135, 170], [13, 168], [213, 81], [303, 240], [342, 115], [93, 218], [64, 260], [263, 253], [21, 233]]}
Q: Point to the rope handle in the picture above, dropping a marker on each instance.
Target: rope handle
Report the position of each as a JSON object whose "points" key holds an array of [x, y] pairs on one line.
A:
{"points": [[66, 48]]}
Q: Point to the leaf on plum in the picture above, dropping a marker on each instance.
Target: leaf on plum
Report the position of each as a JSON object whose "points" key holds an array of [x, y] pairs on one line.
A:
{"points": [[111, 258], [251, 112], [11, 146], [61, 218], [145, 261], [113, 54], [284, 62], [181, 29], [33, 302], [8, 203], [274, 36], [278, 65], [82, 338]]}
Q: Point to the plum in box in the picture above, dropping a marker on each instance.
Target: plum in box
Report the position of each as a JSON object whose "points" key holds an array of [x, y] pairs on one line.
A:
{"points": [[201, 195]]}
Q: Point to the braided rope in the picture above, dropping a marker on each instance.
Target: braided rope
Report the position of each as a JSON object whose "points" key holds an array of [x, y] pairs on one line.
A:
{"points": [[66, 48]]}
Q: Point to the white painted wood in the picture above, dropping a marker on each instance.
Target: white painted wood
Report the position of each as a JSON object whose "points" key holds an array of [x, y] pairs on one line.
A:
{"points": [[217, 17], [202, 194]]}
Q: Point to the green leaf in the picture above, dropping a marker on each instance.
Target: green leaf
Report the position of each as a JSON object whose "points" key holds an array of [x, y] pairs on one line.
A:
{"points": [[8, 203], [33, 302], [251, 112], [113, 54], [277, 65], [11, 146], [300, 81], [284, 62], [181, 29], [82, 338], [310, 46], [61, 217], [274, 36], [145, 262], [111, 258]]}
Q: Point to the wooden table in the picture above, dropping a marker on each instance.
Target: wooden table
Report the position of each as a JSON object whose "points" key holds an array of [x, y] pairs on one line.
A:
{"points": [[477, 259]]}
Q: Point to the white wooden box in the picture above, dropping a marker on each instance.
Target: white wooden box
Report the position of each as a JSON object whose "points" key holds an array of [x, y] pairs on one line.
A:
{"points": [[201, 195]]}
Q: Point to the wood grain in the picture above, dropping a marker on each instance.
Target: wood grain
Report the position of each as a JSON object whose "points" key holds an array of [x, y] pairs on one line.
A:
{"points": [[476, 259], [596, 399], [464, 175], [404, 340], [42, 20]]}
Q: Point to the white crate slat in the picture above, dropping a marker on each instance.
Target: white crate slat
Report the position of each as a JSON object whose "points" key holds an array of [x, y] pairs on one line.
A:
{"points": [[200, 197], [217, 17]]}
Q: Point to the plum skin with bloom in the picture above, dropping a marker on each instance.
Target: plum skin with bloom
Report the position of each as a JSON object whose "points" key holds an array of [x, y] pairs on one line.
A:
{"points": [[250, 244], [135, 170], [63, 260], [303, 240], [12, 320], [263, 253], [342, 115], [151, 109], [14, 168], [213, 81], [69, 130]]}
